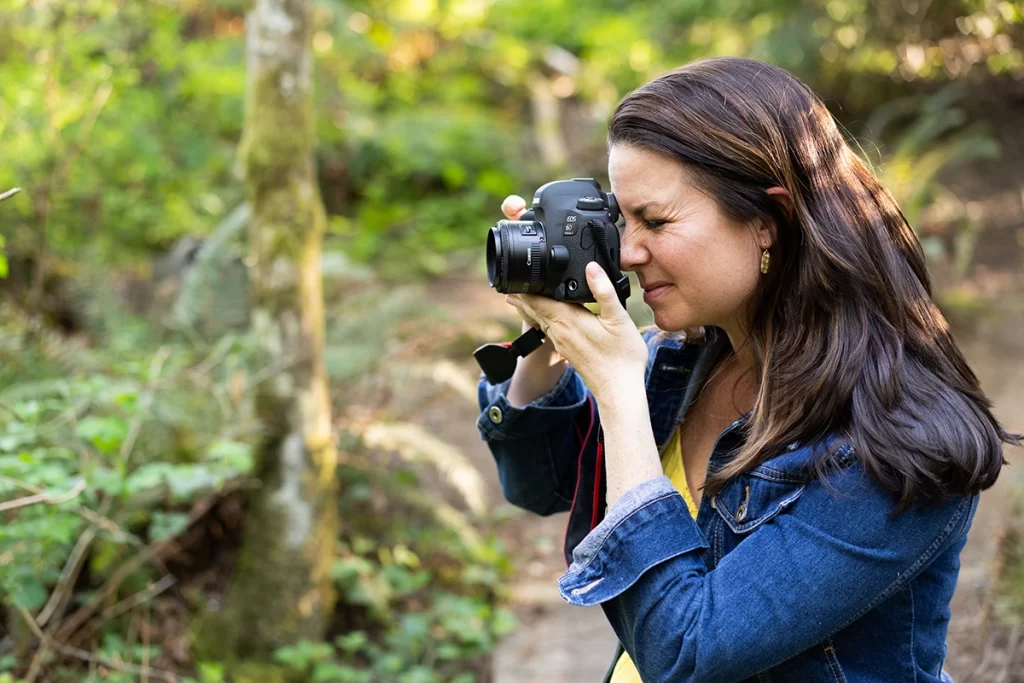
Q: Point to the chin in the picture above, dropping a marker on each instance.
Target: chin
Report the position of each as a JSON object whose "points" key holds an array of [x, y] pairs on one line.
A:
{"points": [[674, 321]]}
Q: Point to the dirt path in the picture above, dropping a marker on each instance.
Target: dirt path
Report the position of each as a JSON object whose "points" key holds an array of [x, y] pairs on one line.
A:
{"points": [[556, 642], [995, 354]]}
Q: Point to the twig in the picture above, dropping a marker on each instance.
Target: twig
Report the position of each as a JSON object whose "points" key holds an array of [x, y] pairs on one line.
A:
{"points": [[83, 512], [71, 413], [155, 365], [10, 193], [58, 598], [139, 598], [67, 576], [211, 361], [168, 676], [152, 552], [271, 370], [43, 498], [145, 645], [12, 411]]}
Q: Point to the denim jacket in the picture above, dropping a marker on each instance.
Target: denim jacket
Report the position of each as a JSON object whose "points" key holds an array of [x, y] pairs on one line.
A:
{"points": [[781, 577]]}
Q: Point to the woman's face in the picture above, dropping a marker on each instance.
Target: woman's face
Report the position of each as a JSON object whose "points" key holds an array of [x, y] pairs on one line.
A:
{"points": [[676, 236]]}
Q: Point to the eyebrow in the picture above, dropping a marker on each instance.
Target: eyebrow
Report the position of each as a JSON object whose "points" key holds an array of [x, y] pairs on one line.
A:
{"points": [[639, 210]]}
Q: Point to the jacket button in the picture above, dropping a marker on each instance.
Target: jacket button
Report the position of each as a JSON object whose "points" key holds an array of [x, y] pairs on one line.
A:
{"points": [[495, 416]]}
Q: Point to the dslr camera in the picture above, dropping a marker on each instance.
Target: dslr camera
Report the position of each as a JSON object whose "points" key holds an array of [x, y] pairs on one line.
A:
{"points": [[546, 252]]}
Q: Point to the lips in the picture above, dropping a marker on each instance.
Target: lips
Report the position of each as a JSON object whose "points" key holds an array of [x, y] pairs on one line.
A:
{"points": [[655, 290]]}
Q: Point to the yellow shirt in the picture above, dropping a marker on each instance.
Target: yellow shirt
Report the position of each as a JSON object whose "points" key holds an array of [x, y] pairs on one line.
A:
{"points": [[672, 464]]}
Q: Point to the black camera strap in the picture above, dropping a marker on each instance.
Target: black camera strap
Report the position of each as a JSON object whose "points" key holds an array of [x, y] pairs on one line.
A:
{"points": [[615, 274], [498, 361]]}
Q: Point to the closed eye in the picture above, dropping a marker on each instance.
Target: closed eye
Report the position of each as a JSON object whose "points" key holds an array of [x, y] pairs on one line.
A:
{"points": [[648, 224]]}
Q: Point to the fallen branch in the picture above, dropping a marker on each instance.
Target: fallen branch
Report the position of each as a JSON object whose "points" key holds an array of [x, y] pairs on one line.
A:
{"points": [[85, 513], [154, 552], [67, 576], [43, 498], [67, 651], [139, 598]]}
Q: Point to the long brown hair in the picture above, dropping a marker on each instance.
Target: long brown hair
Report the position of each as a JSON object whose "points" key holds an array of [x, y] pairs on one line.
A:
{"points": [[845, 334]]}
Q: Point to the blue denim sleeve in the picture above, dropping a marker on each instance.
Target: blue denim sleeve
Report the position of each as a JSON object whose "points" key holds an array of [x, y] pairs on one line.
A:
{"points": [[535, 446], [801, 576]]}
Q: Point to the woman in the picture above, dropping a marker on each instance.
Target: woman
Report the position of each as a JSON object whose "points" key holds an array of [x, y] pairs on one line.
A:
{"points": [[774, 485]]}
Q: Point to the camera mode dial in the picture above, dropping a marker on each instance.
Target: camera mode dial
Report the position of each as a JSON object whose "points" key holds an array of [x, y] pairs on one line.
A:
{"points": [[589, 203]]}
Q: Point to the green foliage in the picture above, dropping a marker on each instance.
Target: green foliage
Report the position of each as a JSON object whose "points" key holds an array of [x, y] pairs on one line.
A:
{"points": [[933, 134], [117, 445], [428, 595], [423, 109], [85, 89]]}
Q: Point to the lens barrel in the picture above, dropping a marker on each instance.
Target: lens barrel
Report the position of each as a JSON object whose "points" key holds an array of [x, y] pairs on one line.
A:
{"points": [[516, 257]]}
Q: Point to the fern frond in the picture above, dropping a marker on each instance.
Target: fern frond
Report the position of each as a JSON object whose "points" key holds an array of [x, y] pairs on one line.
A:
{"points": [[414, 443]]}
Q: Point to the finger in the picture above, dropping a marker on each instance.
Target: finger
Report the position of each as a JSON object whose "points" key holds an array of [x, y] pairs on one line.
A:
{"points": [[513, 207], [543, 309], [516, 301], [524, 312], [604, 292]]}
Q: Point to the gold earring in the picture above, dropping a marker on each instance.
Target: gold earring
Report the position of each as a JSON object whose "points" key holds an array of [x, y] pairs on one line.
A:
{"points": [[766, 259]]}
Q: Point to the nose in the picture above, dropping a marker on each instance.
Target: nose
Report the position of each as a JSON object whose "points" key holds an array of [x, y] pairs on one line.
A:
{"points": [[632, 252]]}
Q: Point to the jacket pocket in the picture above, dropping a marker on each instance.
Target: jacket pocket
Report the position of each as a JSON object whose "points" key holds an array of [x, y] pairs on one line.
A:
{"points": [[749, 501]]}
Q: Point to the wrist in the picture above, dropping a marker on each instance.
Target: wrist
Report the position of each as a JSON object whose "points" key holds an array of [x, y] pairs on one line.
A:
{"points": [[624, 395]]}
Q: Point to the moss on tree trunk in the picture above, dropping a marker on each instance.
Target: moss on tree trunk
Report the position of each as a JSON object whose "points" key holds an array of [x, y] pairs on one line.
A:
{"points": [[281, 589]]}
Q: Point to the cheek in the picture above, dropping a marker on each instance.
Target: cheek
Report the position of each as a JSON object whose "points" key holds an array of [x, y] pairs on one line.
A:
{"points": [[714, 279]]}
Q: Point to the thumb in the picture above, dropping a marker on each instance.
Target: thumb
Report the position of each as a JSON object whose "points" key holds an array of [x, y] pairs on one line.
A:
{"points": [[604, 292]]}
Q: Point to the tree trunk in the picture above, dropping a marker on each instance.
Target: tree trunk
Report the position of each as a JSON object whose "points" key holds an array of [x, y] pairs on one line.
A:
{"points": [[547, 124], [281, 590]]}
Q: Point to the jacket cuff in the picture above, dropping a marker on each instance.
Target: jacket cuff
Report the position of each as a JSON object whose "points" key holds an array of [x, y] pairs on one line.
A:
{"points": [[501, 420], [647, 526]]}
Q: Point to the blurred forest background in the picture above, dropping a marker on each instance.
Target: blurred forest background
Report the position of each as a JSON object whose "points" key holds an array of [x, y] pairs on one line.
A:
{"points": [[161, 353]]}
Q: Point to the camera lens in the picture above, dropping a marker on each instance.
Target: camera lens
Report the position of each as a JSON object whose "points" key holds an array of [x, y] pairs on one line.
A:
{"points": [[494, 253], [515, 254]]}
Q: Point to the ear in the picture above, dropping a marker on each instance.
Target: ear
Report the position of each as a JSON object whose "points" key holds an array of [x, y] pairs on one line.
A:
{"points": [[781, 195]]}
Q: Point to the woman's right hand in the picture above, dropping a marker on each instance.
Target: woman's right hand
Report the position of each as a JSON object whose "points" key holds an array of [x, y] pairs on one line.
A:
{"points": [[513, 207]]}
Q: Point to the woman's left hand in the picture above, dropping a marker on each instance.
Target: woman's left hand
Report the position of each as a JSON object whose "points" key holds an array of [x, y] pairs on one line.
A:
{"points": [[604, 348]]}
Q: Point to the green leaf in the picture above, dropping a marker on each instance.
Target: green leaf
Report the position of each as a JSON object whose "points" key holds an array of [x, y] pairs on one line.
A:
{"points": [[146, 477], [236, 455], [105, 433], [352, 642], [186, 480], [210, 672], [106, 480], [165, 525], [418, 674], [339, 673], [30, 594], [303, 654]]}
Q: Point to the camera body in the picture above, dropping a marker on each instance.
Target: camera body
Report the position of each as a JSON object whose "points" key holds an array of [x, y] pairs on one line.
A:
{"points": [[546, 251]]}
